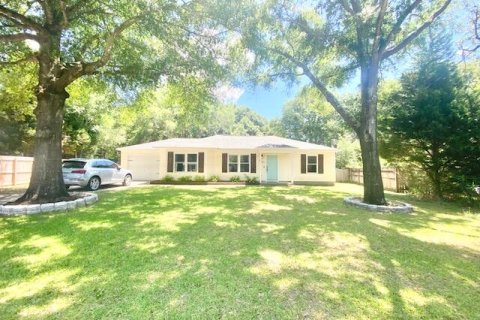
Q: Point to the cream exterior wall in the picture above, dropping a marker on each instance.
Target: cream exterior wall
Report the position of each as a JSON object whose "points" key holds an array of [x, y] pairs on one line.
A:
{"points": [[288, 163], [147, 169]]}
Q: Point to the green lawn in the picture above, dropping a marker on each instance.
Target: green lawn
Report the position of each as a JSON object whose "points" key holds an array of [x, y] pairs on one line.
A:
{"points": [[243, 253]]}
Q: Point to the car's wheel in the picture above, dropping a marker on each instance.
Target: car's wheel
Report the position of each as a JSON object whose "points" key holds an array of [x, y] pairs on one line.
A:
{"points": [[127, 180], [94, 183]]}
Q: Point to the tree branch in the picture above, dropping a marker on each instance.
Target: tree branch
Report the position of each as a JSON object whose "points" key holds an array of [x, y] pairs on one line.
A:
{"points": [[107, 52], [19, 19], [378, 27], [354, 11], [64, 13], [476, 23], [47, 11], [19, 61], [329, 96], [403, 43], [80, 68], [17, 37], [347, 7], [398, 25]]}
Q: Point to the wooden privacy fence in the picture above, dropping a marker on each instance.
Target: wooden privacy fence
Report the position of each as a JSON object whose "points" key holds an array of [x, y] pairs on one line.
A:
{"points": [[15, 170], [390, 177]]}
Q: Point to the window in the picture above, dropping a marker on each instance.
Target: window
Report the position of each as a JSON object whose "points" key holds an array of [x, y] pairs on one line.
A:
{"points": [[110, 164], [180, 162], [312, 164], [232, 163], [245, 163], [73, 164], [190, 165], [192, 162], [238, 163], [100, 164]]}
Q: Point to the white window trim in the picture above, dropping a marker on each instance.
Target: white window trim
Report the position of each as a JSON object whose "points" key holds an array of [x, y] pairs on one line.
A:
{"points": [[185, 162], [239, 163]]}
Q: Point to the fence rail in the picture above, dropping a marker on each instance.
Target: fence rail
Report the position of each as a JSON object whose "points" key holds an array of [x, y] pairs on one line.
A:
{"points": [[390, 177], [15, 170]]}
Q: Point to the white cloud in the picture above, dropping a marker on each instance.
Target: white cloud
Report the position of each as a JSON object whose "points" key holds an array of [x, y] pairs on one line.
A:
{"points": [[228, 93]]}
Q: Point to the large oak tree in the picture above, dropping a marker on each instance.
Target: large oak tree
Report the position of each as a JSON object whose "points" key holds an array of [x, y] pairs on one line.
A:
{"points": [[332, 41], [126, 41]]}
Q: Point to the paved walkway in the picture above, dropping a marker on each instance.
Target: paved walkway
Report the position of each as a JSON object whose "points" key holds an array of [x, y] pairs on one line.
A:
{"points": [[13, 193]]}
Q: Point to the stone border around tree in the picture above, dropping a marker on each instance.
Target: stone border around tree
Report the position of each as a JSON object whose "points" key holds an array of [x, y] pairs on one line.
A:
{"points": [[14, 210], [398, 207]]}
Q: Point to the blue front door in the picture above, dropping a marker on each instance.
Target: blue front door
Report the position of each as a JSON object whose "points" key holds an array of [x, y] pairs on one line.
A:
{"points": [[272, 168]]}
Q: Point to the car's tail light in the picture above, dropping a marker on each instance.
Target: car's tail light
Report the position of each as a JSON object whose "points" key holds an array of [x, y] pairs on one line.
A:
{"points": [[80, 171]]}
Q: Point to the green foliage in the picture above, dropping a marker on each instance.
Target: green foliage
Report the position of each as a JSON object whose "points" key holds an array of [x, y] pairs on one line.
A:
{"points": [[214, 179], [185, 179], [253, 180], [229, 119], [90, 122], [432, 121], [199, 179], [235, 179], [168, 178], [308, 117], [17, 102], [415, 179], [348, 154], [173, 112]]}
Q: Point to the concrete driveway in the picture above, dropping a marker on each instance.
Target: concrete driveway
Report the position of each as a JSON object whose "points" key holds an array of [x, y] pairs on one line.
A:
{"points": [[9, 194]]}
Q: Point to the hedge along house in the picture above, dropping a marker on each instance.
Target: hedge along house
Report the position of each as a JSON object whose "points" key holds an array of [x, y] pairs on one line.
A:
{"points": [[269, 158]]}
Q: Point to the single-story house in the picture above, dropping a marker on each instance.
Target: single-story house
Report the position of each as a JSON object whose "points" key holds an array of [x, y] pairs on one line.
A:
{"points": [[268, 158]]}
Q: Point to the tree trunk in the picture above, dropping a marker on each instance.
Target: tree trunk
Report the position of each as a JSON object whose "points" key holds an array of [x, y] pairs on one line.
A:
{"points": [[372, 171], [435, 177], [367, 134], [434, 172], [46, 182]]}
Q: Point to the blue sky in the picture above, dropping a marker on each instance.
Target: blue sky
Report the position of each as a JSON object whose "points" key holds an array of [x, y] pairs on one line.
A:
{"points": [[268, 101]]}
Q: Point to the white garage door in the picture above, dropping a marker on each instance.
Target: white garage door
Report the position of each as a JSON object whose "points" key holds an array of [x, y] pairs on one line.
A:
{"points": [[144, 166]]}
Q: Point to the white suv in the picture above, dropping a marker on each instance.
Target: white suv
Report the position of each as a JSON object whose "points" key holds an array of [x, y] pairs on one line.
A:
{"points": [[92, 173]]}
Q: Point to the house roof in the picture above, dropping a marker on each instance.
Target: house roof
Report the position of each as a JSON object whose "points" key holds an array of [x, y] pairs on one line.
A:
{"points": [[230, 142]]}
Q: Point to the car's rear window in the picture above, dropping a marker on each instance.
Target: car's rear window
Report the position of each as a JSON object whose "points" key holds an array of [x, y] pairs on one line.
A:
{"points": [[73, 164]]}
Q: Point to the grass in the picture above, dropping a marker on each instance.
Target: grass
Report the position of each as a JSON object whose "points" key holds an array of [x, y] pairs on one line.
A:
{"points": [[241, 253]]}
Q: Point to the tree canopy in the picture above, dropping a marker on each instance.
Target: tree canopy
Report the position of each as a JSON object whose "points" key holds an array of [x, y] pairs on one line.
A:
{"points": [[126, 42], [432, 120], [330, 42]]}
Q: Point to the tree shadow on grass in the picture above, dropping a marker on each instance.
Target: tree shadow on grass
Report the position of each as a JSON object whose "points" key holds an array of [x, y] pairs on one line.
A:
{"points": [[236, 253]]}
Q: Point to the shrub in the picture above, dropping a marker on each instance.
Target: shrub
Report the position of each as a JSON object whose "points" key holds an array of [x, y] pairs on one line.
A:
{"points": [[460, 187], [251, 180], [185, 179], [199, 179], [214, 179], [235, 179], [168, 178]]}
